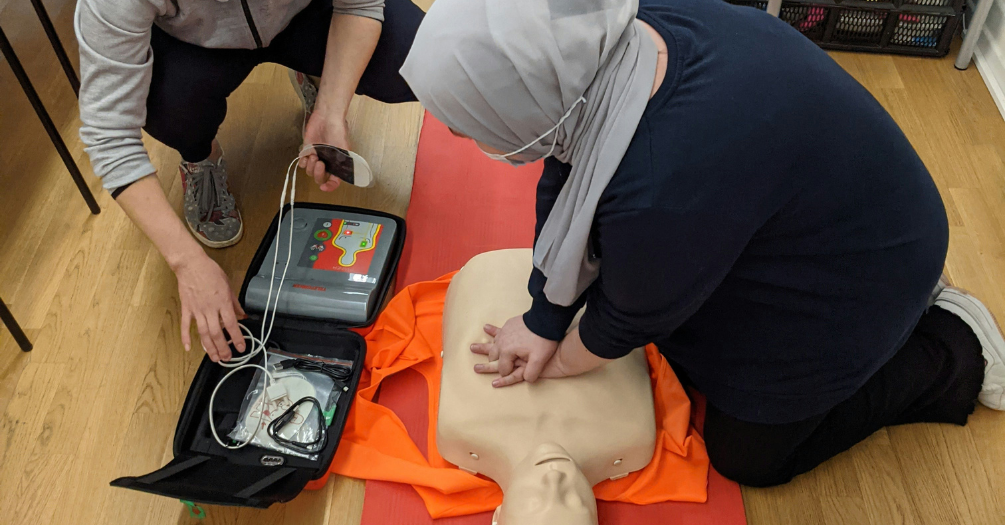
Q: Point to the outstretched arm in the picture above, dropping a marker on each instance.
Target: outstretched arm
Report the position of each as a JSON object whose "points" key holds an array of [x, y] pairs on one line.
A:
{"points": [[351, 41]]}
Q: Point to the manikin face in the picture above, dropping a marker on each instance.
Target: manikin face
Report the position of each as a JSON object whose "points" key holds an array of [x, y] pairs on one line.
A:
{"points": [[548, 488]]}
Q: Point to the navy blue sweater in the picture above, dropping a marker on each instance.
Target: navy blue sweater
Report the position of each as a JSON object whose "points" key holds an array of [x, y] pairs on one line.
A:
{"points": [[770, 227]]}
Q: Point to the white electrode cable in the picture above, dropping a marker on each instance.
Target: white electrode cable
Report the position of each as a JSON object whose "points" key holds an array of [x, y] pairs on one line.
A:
{"points": [[258, 345], [309, 150]]}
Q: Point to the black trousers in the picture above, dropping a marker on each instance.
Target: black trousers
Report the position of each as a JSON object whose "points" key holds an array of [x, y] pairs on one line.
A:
{"points": [[934, 378], [190, 84]]}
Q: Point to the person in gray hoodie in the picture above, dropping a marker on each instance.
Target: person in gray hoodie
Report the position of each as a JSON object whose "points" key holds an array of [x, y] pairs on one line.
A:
{"points": [[167, 67]]}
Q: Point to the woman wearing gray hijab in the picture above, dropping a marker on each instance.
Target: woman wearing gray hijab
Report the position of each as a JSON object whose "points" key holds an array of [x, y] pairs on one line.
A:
{"points": [[715, 184]]}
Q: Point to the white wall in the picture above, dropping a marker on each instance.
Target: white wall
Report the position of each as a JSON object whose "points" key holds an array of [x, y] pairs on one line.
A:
{"points": [[990, 53]]}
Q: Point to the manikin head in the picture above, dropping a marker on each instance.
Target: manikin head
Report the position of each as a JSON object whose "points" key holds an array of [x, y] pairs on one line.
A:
{"points": [[547, 488]]}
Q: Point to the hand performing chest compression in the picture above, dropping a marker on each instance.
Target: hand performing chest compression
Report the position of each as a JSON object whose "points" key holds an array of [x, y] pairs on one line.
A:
{"points": [[517, 354]]}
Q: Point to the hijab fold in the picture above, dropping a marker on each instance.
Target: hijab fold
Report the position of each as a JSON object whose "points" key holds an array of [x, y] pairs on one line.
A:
{"points": [[505, 71]]}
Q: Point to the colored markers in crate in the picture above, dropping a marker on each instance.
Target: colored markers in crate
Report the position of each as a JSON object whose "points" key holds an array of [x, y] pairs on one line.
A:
{"points": [[910, 27], [861, 25], [930, 3], [918, 30], [803, 17]]}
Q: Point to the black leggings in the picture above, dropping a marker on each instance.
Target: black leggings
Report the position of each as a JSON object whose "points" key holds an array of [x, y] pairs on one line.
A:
{"points": [[934, 378], [190, 84]]}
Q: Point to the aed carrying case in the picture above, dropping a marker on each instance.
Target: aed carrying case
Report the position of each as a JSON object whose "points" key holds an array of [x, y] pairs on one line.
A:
{"points": [[338, 253]]}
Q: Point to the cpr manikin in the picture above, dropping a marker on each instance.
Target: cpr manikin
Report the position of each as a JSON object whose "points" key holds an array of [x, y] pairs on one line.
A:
{"points": [[546, 444]]}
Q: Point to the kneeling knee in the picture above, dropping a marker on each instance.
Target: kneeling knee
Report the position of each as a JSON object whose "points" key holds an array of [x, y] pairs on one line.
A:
{"points": [[751, 470]]}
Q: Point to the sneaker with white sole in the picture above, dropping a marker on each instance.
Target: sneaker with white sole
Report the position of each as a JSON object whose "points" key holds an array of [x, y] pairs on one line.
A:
{"points": [[973, 312], [941, 285], [210, 209]]}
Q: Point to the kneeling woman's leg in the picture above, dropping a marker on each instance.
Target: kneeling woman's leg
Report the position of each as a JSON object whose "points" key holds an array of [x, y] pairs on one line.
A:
{"points": [[303, 44], [189, 87], [381, 79], [935, 377]]}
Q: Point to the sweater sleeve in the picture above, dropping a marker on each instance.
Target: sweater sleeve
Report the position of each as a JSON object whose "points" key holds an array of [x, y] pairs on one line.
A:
{"points": [[658, 267], [544, 318], [366, 8], [116, 65]]}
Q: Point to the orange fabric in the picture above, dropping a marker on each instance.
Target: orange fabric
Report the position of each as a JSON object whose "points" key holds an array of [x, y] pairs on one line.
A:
{"points": [[376, 445]]}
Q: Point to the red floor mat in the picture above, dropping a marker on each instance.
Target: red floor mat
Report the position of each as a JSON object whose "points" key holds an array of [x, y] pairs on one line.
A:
{"points": [[464, 204]]}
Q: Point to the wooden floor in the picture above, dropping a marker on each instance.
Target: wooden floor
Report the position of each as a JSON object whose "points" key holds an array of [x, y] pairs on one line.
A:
{"points": [[100, 395]]}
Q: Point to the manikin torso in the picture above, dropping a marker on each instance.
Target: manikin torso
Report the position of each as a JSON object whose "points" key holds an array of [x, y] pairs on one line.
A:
{"points": [[546, 444]]}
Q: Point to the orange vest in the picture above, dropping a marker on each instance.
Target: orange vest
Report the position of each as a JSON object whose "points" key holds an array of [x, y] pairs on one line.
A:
{"points": [[376, 445]]}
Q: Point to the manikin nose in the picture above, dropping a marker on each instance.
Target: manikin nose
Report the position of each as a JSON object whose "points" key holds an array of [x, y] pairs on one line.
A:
{"points": [[553, 480]]}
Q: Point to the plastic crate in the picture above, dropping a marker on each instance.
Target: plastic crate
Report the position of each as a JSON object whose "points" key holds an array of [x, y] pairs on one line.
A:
{"points": [[860, 26], [756, 4], [930, 3], [918, 30], [900, 32], [916, 27], [950, 7], [810, 20]]}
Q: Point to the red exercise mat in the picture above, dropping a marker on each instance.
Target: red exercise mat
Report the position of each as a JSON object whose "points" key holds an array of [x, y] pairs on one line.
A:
{"points": [[464, 204]]}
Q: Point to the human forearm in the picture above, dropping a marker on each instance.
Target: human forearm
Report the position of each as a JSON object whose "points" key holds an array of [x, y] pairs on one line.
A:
{"points": [[145, 203], [572, 358], [203, 287], [569, 358], [351, 41], [548, 320]]}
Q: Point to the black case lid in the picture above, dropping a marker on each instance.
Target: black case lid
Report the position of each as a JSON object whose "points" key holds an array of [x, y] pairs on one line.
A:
{"points": [[205, 472], [214, 480]]}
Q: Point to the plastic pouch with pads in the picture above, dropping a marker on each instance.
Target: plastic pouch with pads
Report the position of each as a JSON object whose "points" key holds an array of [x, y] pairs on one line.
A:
{"points": [[286, 395]]}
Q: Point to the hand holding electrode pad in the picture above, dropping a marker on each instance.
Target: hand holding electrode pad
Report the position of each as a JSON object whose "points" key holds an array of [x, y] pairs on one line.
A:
{"points": [[344, 164]]}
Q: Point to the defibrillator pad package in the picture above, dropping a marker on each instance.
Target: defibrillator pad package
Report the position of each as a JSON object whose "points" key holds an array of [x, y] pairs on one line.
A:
{"points": [[286, 422], [246, 441]]}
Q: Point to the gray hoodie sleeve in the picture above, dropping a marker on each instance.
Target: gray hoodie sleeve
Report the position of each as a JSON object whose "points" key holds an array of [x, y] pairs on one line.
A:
{"points": [[116, 64], [368, 8]]}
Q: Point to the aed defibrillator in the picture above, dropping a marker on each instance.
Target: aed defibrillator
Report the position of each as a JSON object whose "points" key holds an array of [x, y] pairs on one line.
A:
{"points": [[337, 267]]}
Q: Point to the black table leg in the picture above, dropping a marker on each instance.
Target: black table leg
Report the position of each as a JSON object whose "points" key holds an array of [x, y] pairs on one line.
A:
{"points": [[57, 45], [15, 329], [50, 128]]}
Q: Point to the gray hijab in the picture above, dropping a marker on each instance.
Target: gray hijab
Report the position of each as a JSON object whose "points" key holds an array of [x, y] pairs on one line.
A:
{"points": [[504, 72]]}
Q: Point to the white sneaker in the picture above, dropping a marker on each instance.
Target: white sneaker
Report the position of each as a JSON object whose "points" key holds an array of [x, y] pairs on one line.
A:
{"points": [[982, 322], [941, 285]]}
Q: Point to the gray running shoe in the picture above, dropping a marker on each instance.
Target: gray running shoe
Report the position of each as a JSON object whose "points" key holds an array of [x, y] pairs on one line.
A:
{"points": [[210, 209]]}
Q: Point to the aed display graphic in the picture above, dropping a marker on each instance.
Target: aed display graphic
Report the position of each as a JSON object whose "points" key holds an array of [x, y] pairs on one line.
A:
{"points": [[339, 245]]}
